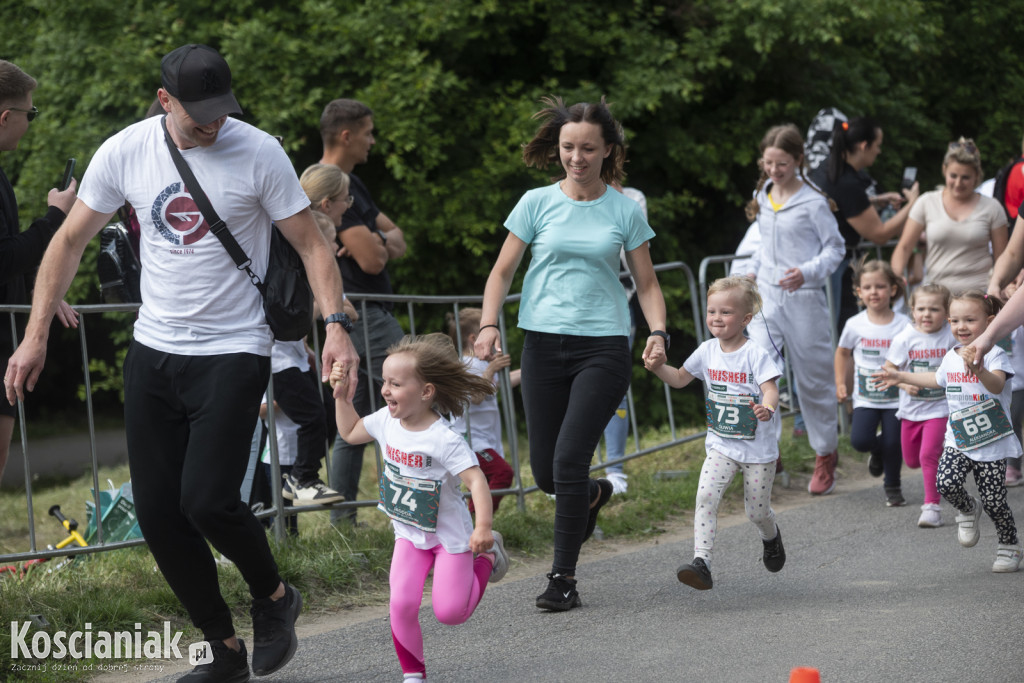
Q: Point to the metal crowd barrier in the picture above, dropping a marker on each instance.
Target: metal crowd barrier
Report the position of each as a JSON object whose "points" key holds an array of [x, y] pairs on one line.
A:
{"points": [[511, 422]]}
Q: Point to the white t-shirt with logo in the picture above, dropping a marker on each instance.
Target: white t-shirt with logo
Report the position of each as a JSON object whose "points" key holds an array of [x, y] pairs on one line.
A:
{"points": [[966, 394], [915, 351], [194, 300], [733, 382], [870, 343], [423, 465]]}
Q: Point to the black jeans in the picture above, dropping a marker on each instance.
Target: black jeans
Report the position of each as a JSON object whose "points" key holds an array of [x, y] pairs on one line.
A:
{"points": [[298, 395], [189, 422], [571, 388]]}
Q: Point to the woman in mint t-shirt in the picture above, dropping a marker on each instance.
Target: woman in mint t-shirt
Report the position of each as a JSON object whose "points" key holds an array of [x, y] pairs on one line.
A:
{"points": [[576, 361]]}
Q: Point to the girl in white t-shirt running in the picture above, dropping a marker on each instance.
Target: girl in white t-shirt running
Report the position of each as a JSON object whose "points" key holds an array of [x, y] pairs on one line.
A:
{"points": [[740, 378], [923, 412], [860, 353], [424, 462], [979, 436]]}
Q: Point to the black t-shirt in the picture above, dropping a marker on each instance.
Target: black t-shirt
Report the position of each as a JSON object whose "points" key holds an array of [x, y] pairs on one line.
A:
{"points": [[362, 212], [850, 195]]}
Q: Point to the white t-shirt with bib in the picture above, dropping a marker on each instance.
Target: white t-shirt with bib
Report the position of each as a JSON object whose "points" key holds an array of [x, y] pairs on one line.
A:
{"points": [[194, 300], [915, 351], [733, 381], [425, 468], [870, 343], [965, 393]]}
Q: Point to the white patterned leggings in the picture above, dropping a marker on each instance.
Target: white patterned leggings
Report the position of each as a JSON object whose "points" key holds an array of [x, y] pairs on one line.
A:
{"points": [[715, 475], [991, 480]]}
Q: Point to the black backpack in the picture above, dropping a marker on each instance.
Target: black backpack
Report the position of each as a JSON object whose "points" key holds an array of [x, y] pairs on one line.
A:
{"points": [[117, 265]]}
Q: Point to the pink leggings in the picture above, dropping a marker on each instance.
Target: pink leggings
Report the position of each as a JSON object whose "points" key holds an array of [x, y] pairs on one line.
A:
{"points": [[459, 582], [922, 446]]}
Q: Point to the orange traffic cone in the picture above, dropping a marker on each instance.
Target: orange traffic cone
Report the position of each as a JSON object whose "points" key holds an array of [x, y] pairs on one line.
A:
{"points": [[804, 674]]}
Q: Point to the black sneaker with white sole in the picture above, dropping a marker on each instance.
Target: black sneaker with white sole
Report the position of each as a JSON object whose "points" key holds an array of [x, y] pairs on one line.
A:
{"points": [[774, 556], [228, 666], [561, 594], [696, 575], [273, 631], [313, 491]]}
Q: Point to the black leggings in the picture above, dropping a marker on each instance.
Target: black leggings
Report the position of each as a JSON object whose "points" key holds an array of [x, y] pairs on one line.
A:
{"points": [[571, 388], [298, 395], [189, 422], [864, 437]]}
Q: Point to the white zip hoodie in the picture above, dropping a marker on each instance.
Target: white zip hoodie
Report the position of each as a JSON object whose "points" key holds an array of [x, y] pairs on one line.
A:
{"points": [[802, 234]]}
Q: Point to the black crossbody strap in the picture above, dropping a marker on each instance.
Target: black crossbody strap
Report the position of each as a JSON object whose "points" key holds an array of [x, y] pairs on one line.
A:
{"points": [[217, 226]]}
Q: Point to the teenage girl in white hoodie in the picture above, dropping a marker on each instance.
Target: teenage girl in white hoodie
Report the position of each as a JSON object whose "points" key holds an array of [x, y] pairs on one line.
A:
{"points": [[800, 248]]}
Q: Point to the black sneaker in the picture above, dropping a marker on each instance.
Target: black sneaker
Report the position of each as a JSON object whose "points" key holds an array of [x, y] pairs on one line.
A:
{"points": [[560, 596], [774, 554], [696, 575], [605, 493], [894, 498], [312, 491], [227, 666], [875, 465], [273, 631]]}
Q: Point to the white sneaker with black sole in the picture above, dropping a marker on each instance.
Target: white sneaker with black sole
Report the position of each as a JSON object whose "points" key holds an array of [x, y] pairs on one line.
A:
{"points": [[314, 492]]}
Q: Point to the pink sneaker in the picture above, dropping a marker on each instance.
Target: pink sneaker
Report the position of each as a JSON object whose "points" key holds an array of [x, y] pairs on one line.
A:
{"points": [[1013, 476], [823, 481]]}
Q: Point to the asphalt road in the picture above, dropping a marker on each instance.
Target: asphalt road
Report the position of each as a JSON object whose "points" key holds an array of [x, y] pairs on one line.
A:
{"points": [[865, 596]]}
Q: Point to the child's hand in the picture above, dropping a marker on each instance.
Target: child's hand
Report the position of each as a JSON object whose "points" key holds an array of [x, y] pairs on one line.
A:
{"points": [[841, 393], [886, 378], [761, 412], [481, 541], [500, 361], [339, 380], [972, 362], [909, 388]]}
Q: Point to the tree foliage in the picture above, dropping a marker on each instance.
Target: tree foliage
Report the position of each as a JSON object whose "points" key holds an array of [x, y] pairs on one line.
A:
{"points": [[453, 85]]}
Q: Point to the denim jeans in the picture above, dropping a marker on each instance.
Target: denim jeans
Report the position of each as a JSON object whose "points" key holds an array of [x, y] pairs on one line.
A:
{"points": [[571, 387]]}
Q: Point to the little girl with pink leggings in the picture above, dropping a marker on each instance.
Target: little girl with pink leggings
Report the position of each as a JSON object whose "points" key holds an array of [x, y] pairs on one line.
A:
{"points": [[923, 412], [424, 463]]}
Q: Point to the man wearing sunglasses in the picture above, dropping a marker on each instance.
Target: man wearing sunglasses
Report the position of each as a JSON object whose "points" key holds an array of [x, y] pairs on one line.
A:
{"points": [[21, 252]]}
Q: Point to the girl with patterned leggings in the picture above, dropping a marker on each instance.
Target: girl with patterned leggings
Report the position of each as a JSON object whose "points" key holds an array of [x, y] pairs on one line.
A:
{"points": [[424, 463], [978, 396]]}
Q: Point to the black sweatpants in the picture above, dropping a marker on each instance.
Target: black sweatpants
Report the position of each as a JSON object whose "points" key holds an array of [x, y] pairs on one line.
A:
{"points": [[189, 422]]}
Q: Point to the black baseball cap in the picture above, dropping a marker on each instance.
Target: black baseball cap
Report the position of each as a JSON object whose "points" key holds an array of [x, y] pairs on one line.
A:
{"points": [[201, 80]]}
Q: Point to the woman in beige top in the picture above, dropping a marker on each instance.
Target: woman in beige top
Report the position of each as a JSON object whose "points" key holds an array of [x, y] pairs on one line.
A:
{"points": [[966, 231]]}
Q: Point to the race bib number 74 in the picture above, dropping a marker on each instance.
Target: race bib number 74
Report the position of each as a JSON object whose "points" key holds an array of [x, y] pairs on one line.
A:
{"points": [[409, 500]]}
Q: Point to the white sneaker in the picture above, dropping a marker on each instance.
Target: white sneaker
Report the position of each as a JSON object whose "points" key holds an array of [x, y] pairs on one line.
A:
{"points": [[930, 516], [618, 480], [1007, 558], [500, 567], [968, 532]]}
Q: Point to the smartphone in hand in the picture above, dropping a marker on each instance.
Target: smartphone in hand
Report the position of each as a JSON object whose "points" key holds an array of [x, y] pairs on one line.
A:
{"points": [[909, 177], [69, 173]]}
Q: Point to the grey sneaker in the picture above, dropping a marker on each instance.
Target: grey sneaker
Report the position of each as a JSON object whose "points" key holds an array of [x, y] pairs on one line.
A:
{"points": [[894, 498], [314, 492], [500, 567], [967, 531], [696, 575]]}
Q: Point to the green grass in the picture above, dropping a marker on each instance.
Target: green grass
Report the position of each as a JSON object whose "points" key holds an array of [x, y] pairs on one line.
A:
{"points": [[343, 567]]}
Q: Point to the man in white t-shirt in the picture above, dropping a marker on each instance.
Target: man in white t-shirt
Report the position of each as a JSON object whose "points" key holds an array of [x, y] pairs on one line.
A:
{"points": [[199, 361]]}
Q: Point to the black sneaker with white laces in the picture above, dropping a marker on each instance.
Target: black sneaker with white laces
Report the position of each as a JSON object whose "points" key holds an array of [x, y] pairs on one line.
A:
{"points": [[875, 465], [273, 631], [228, 666], [774, 554], [312, 492], [696, 575], [561, 594]]}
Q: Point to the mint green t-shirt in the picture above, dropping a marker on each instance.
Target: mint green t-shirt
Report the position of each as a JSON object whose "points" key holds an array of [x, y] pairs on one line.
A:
{"points": [[572, 283]]}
